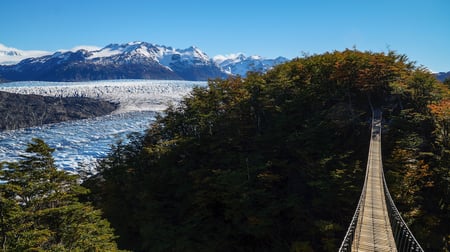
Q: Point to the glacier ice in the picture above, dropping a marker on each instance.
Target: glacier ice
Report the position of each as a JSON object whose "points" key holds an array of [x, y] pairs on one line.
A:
{"points": [[78, 144]]}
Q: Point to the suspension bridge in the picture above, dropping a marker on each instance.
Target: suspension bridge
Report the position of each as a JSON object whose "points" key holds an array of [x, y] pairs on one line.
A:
{"points": [[377, 224]]}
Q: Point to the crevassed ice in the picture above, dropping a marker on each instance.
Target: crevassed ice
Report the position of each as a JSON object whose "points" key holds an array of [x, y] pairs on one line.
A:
{"points": [[133, 95], [80, 143]]}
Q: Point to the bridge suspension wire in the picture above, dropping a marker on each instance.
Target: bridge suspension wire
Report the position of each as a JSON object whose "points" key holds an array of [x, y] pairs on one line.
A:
{"points": [[376, 224]]}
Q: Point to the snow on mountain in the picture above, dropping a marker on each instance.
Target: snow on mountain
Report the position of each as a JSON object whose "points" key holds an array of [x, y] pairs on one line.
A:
{"points": [[105, 52], [10, 56], [83, 47], [161, 54], [121, 49], [225, 59], [134, 60], [239, 64]]}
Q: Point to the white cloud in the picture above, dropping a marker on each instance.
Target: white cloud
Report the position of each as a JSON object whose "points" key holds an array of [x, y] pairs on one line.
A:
{"points": [[89, 48], [10, 55], [85, 47]]}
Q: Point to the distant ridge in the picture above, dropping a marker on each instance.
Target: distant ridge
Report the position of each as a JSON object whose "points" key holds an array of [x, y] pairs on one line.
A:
{"points": [[134, 60], [442, 75], [239, 64]]}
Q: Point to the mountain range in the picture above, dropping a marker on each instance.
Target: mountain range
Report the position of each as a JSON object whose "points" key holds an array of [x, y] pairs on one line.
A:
{"points": [[239, 64], [134, 60], [442, 75]]}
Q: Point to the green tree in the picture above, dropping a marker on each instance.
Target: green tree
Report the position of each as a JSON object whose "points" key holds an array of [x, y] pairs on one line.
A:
{"points": [[417, 156], [40, 209], [447, 82], [274, 162]]}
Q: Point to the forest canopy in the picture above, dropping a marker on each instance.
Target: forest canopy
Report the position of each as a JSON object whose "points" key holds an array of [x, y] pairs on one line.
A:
{"points": [[275, 161]]}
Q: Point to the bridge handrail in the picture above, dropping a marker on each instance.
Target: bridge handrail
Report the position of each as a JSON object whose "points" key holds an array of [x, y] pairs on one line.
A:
{"points": [[404, 239], [348, 239]]}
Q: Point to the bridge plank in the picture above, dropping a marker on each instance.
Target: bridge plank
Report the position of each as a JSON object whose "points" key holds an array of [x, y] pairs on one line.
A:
{"points": [[373, 230]]}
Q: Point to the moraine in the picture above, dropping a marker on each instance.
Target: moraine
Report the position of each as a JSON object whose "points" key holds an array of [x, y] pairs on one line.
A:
{"points": [[78, 144]]}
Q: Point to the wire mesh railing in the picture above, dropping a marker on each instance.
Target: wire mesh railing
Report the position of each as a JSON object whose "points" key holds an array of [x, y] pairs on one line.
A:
{"points": [[404, 239], [346, 244]]}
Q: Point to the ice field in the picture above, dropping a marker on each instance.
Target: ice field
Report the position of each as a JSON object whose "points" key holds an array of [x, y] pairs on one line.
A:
{"points": [[80, 143]]}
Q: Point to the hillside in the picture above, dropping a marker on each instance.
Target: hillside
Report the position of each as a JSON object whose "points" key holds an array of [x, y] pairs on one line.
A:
{"points": [[20, 111], [275, 162]]}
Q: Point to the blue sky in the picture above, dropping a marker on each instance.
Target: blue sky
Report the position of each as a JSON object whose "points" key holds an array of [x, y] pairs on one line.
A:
{"points": [[270, 28]]}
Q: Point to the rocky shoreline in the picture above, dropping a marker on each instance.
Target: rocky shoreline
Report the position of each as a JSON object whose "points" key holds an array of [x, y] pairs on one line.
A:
{"points": [[21, 111]]}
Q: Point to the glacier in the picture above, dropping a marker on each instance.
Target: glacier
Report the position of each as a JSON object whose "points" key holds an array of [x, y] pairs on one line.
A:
{"points": [[79, 144]]}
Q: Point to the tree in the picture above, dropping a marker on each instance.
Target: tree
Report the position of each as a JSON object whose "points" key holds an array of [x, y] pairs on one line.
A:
{"points": [[40, 209], [274, 162], [447, 82], [441, 113]]}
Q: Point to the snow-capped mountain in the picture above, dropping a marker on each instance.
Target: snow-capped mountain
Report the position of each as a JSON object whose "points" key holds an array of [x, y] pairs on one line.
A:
{"points": [[134, 60], [239, 64], [10, 56]]}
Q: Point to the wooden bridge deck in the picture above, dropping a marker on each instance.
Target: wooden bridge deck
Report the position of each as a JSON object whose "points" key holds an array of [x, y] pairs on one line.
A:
{"points": [[373, 230]]}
